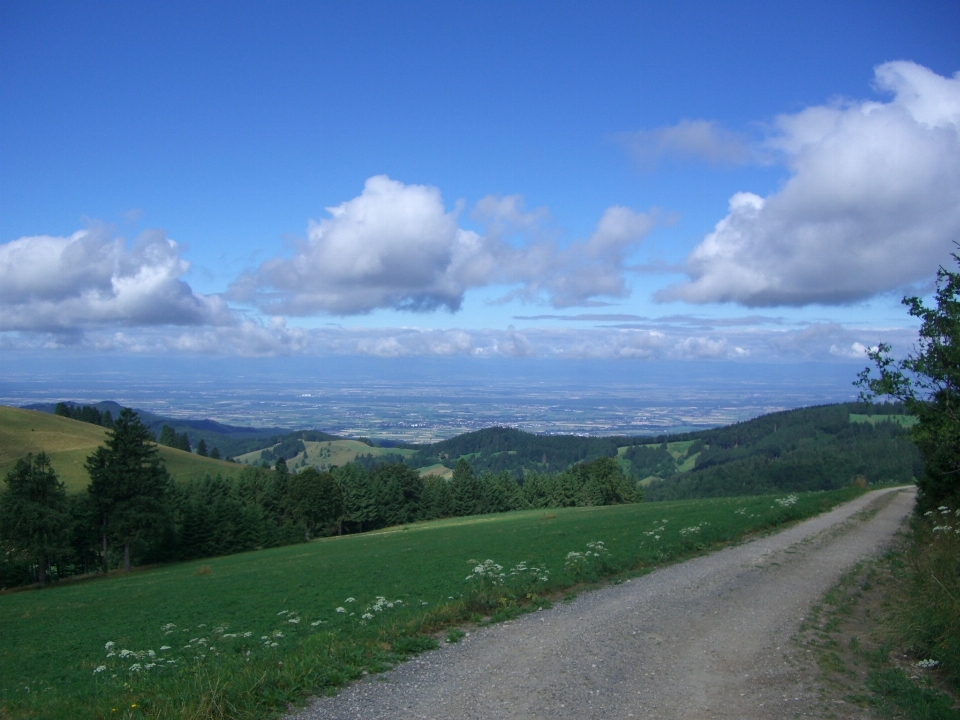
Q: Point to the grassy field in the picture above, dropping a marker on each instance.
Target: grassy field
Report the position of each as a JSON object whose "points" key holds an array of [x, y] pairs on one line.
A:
{"points": [[241, 636], [69, 442], [328, 453], [906, 420]]}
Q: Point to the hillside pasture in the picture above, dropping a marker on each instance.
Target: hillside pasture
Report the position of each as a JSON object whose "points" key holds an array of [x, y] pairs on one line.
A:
{"points": [[255, 631], [326, 453], [68, 443], [907, 421]]}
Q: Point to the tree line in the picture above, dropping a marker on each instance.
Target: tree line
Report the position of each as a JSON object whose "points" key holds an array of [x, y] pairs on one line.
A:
{"points": [[134, 513]]}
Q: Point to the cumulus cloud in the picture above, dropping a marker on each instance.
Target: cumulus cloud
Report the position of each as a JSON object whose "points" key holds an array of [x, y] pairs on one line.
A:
{"points": [[872, 204], [689, 140], [395, 246], [90, 279]]}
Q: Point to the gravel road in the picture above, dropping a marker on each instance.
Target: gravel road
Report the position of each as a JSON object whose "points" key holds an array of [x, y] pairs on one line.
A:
{"points": [[708, 638]]}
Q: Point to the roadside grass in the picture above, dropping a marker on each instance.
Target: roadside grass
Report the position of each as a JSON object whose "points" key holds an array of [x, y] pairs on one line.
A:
{"points": [[243, 636], [68, 443], [887, 637]]}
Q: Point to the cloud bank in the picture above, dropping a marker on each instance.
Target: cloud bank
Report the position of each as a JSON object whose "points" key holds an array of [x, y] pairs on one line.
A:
{"points": [[395, 246], [872, 204], [90, 280]]}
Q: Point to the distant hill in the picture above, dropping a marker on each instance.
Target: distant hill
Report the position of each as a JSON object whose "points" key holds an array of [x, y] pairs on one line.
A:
{"points": [[804, 449], [231, 440], [69, 442], [814, 448]]}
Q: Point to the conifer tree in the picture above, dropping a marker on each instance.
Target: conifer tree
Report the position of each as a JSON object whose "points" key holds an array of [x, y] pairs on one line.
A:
{"points": [[34, 522], [129, 485]]}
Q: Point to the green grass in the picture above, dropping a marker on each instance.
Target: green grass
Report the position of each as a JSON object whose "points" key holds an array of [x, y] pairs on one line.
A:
{"points": [[68, 443], [51, 641], [906, 421]]}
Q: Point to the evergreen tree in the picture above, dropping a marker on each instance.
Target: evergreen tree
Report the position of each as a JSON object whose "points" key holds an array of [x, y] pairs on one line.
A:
{"points": [[202, 448], [398, 489], [466, 492], [129, 485], [314, 500], [215, 453], [359, 500], [168, 436], [34, 522]]}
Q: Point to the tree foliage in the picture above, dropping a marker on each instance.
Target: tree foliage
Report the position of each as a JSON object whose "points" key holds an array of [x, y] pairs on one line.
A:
{"points": [[927, 381], [34, 522], [129, 485]]}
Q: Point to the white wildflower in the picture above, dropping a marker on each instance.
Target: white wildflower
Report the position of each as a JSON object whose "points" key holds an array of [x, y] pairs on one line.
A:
{"points": [[136, 667], [350, 600], [341, 609], [109, 646], [100, 669], [295, 621], [928, 664], [316, 622], [367, 616], [164, 647]]}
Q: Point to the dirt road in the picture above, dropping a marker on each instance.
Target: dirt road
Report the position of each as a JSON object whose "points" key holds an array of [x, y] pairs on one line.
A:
{"points": [[709, 638]]}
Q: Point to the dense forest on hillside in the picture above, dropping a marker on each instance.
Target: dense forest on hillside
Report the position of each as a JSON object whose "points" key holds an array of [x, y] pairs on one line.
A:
{"points": [[500, 449], [816, 448]]}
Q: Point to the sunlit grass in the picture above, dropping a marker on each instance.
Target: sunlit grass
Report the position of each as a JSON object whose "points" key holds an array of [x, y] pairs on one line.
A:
{"points": [[274, 625]]}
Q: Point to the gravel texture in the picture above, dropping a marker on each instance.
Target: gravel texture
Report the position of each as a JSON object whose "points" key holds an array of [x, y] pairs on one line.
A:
{"points": [[708, 638]]}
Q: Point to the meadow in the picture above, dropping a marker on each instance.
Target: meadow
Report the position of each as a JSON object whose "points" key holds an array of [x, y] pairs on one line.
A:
{"points": [[242, 636], [68, 443], [328, 453]]}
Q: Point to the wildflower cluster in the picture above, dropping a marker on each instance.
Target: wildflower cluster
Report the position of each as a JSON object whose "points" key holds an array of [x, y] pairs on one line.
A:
{"points": [[655, 533], [379, 606], [133, 662], [577, 562], [693, 529], [489, 572], [788, 501], [946, 515]]}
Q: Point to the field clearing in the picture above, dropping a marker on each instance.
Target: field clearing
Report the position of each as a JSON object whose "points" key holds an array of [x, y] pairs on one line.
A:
{"points": [[68, 443], [438, 469], [327, 453], [281, 605], [906, 421]]}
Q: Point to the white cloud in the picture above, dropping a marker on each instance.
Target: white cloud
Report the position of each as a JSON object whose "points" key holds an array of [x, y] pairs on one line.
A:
{"points": [[395, 246], [663, 339], [689, 139], [582, 272], [872, 204], [68, 284]]}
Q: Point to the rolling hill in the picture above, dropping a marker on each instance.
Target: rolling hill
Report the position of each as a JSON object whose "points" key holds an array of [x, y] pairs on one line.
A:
{"points": [[69, 442]]}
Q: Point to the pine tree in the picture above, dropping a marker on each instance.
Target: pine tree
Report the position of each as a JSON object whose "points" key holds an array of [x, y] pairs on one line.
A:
{"points": [[34, 522], [129, 484], [202, 448]]}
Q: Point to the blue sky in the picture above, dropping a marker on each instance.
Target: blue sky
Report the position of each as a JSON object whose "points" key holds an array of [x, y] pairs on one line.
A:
{"points": [[730, 181]]}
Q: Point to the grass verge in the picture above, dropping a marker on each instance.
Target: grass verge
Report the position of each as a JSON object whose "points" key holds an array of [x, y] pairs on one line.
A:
{"points": [[886, 639], [245, 636]]}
